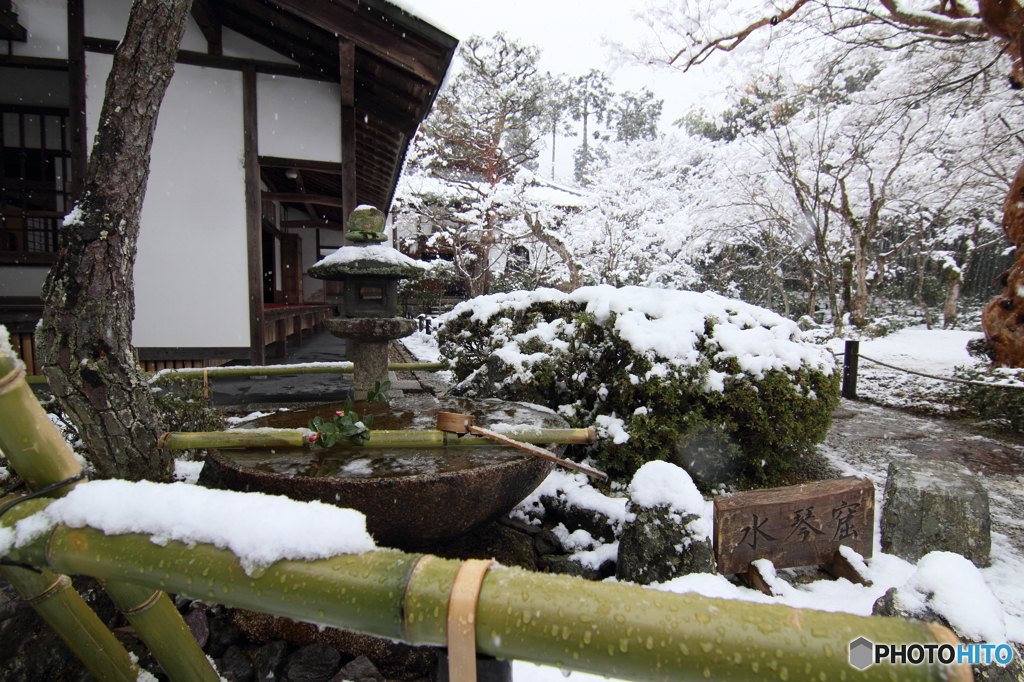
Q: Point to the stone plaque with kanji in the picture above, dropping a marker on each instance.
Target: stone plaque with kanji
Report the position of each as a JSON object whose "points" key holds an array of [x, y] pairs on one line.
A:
{"points": [[800, 525]]}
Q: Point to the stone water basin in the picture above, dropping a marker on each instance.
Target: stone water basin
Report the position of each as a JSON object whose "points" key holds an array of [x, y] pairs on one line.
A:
{"points": [[412, 497]]}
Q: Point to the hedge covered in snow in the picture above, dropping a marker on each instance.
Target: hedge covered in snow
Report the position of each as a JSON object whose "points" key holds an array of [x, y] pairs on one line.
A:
{"points": [[715, 384]]}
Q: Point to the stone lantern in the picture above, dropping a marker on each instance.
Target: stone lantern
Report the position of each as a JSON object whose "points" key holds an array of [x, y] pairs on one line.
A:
{"points": [[370, 273]]}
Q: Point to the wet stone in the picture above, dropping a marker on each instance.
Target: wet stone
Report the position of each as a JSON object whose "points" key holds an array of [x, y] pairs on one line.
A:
{"points": [[314, 663], [361, 669], [198, 625], [269, 659], [547, 542], [935, 506], [223, 634], [566, 565], [656, 546], [599, 525], [236, 666]]}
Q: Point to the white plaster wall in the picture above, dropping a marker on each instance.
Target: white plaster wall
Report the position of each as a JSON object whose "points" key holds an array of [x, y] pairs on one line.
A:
{"points": [[298, 118], [46, 22], [191, 286], [106, 18], [22, 280], [236, 45]]}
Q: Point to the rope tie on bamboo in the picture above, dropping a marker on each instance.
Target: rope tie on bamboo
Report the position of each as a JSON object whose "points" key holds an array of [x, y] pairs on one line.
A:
{"points": [[462, 619], [10, 380]]}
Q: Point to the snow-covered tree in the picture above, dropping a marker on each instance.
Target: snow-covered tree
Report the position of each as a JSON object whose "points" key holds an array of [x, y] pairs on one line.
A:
{"points": [[687, 33], [483, 130], [635, 228]]}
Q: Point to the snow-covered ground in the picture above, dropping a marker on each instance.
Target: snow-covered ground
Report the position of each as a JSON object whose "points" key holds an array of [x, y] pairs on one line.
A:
{"points": [[931, 351]]}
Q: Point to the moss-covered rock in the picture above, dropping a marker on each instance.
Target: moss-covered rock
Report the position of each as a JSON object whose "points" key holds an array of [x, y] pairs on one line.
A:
{"points": [[654, 370]]}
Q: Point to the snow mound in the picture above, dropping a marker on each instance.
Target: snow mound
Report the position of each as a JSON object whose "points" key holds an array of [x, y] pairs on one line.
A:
{"points": [[658, 484], [669, 325], [953, 587]]}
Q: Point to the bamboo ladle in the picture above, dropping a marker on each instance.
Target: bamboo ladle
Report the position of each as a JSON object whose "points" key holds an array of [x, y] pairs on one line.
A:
{"points": [[453, 422]]}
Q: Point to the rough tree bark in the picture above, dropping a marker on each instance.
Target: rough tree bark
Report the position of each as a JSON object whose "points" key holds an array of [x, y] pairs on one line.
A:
{"points": [[84, 338], [1003, 317]]}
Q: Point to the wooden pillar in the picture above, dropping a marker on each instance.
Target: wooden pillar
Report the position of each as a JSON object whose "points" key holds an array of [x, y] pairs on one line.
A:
{"points": [[253, 219], [76, 96], [347, 70], [281, 342]]}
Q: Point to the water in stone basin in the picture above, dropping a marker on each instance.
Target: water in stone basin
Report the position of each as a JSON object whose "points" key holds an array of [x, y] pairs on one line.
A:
{"points": [[417, 412]]}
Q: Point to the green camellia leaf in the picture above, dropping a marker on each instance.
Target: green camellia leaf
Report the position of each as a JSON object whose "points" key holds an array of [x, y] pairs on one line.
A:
{"points": [[315, 423], [368, 421]]}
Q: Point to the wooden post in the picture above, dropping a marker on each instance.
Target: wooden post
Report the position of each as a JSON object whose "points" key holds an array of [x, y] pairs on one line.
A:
{"points": [[297, 328], [850, 361], [76, 97], [281, 342], [347, 71], [253, 218]]}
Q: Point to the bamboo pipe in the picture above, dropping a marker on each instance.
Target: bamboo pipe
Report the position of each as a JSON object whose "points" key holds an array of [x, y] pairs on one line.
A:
{"points": [[610, 629], [463, 423], [39, 454], [424, 438], [63, 609], [270, 370]]}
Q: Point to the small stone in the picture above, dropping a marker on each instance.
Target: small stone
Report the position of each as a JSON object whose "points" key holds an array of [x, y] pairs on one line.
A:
{"points": [[199, 625], [223, 634], [656, 546], [547, 542], [236, 666], [361, 669], [599, 525], [566, 565], [269, 659], [314, 663], [935, 506]]}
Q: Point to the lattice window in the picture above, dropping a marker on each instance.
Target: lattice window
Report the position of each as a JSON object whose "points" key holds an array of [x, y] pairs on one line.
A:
{"points": [[34, 177]]}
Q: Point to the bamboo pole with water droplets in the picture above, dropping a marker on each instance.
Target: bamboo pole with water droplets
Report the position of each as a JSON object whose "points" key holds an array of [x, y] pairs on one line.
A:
{"points": [[424, 438], [617, 630]]}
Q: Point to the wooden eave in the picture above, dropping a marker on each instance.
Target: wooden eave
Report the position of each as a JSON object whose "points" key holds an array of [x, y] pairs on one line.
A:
{"points": [[10, 29], [400, 62]]}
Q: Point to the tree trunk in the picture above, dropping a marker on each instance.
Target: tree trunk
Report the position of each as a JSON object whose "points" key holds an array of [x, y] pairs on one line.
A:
{"points": [[84, 338], [949, 309], [560, 249], [1003, 317]]}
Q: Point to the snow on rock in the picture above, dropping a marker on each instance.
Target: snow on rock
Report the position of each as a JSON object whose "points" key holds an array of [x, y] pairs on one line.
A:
{"points": [[954, 588], [187, 471], [665, 484], [576, 490], [259, 529], [376, 252]]}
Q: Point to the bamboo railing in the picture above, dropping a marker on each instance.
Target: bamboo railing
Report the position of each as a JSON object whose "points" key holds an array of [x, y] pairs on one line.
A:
{"points": [[380, 438], [38, 453], [616, 630]]}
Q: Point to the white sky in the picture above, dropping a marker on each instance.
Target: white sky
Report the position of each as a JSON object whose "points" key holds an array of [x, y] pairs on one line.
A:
{"points": [[573, 37]]}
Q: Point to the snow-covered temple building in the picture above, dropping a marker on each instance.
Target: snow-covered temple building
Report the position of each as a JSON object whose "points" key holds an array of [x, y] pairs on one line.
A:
{"points": [[282, 116]]}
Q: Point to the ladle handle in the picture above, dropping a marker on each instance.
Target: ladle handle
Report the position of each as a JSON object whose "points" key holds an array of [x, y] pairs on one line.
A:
{"points": [[539, 452]]}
